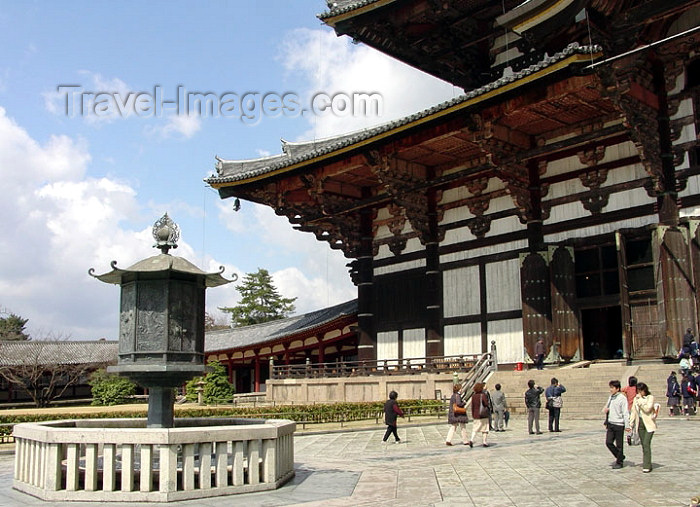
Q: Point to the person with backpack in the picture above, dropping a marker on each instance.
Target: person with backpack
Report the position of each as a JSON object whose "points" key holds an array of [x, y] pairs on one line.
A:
{"points": [[554, 403], [480, 414], [688, 391], [643, 418]]}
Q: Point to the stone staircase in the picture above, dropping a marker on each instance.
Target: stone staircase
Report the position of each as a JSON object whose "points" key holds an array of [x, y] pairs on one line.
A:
{"points": [[586, 387]]}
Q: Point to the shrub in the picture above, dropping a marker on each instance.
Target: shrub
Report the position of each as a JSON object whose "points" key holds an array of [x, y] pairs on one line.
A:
{"points": [[108, 389], [217, 388]]}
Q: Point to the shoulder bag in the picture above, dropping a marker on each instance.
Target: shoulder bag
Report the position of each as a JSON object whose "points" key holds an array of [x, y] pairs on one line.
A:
{"points": [[483, 409], [457, 410]]}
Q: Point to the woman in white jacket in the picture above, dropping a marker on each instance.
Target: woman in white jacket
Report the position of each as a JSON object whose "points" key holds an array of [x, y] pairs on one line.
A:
{"points": [[643, 417]]}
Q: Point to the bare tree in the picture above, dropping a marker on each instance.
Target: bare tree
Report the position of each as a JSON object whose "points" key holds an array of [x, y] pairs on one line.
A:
{"points": [[46, 369]]}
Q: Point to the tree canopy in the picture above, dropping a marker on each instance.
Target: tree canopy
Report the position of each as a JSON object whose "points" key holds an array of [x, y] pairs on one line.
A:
{"points": [[12, 328], [260, 301]]}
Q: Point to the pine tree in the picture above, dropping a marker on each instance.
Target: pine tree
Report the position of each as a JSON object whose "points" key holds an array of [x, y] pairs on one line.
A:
{"points": [[260, 301], [12, 328]]}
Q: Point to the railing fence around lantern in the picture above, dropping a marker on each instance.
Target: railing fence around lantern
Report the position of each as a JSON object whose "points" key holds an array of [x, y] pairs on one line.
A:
{"points": [[121, 460], [484, 362]]}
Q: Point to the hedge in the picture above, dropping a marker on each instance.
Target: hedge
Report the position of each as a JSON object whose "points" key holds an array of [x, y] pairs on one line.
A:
{"points": [[321, 413]]}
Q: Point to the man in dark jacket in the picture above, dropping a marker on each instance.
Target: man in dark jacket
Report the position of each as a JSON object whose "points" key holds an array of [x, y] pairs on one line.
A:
{"points": [[554, 403], [533, 404], [391, 412]]}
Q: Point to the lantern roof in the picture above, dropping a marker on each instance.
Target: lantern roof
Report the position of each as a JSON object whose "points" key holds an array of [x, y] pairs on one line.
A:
{"points": [[166, 233], [162, 263]]}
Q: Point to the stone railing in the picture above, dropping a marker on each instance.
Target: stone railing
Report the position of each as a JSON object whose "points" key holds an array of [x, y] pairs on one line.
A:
{"points": [[121, 460]]}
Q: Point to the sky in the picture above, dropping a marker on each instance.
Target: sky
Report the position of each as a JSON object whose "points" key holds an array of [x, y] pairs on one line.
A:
{"points": [[95, 145]]}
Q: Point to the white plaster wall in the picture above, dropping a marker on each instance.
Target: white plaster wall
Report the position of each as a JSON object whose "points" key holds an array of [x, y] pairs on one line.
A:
{"points": [[508, 335], [601, 229], [388, 346], [487, 250], [413, 343], [460, 291], [627, 199], [503, 286], [403, 266], [462, 339]]}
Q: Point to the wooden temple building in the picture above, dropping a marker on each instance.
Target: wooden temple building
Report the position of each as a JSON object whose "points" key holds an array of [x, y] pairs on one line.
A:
{"points": [[557, 198]]}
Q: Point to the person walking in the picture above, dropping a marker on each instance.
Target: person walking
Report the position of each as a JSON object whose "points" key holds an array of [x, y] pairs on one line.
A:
{"points": [[643, 418], [391, 412], [630, 391], [454, 419], [480, 414], [617, 422], [539, 354], [533, 404], [554, 403], [688, 391], [673, 393], [500, 405]]}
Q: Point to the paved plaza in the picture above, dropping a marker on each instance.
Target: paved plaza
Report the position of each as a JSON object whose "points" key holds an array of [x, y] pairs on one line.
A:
{"points": [[567, 469]]}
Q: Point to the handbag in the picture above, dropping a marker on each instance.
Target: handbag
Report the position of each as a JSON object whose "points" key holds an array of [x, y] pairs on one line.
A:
{"points": [[633, 437], [457, 410], [550, 404], [484, 411]]}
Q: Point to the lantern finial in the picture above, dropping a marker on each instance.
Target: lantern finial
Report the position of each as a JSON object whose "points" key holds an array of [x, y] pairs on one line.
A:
{"points": [[166, 233]]}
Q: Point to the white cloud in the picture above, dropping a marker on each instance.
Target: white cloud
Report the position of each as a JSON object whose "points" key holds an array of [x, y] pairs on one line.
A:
{"points": [[184, 126], [332, 64], [57, 223]]}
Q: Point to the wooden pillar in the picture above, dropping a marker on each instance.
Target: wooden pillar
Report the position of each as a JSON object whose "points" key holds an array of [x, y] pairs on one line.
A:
{"points": [[367, 339], [256, 362], [434, 334], [321, 350], [229, 363]]}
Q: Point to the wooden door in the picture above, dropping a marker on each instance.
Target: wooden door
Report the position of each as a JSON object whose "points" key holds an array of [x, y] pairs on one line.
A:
{"points": [[565, 322], [535, 291]]}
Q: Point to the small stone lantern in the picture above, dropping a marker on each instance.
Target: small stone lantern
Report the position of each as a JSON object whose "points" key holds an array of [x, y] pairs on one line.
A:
{"points": [[161, 323]]}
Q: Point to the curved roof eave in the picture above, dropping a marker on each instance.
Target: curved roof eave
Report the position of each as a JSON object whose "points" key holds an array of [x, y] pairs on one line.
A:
{"points": [[344, 143]]}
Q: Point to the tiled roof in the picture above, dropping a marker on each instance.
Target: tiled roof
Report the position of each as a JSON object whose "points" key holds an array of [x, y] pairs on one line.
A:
{"points": [[270, 331], [57, 352], [336, 7], [229, 171]]}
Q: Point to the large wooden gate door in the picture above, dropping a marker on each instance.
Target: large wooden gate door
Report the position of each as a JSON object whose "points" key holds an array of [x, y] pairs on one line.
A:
{"points": [[535, 291], [627, 341], [565, 323], [674, 285]]}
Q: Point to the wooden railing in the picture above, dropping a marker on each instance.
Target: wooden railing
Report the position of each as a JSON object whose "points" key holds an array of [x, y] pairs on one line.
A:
{"points": [[439, 364], [122, 460]]}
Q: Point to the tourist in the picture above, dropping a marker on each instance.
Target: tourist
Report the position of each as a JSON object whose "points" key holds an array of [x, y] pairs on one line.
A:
{"points": [[643, 418], [554, 403], [688, 338], [616, 421], [688, 391], [500, 405], [480, 414], [533, 404], [455, 420], [630, 391], [391, 412], [673, 393], [685, 364], [539, 354]]}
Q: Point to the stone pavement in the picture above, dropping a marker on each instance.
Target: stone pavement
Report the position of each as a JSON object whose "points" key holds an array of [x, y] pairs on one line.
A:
{"points": [[568, 469]]}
